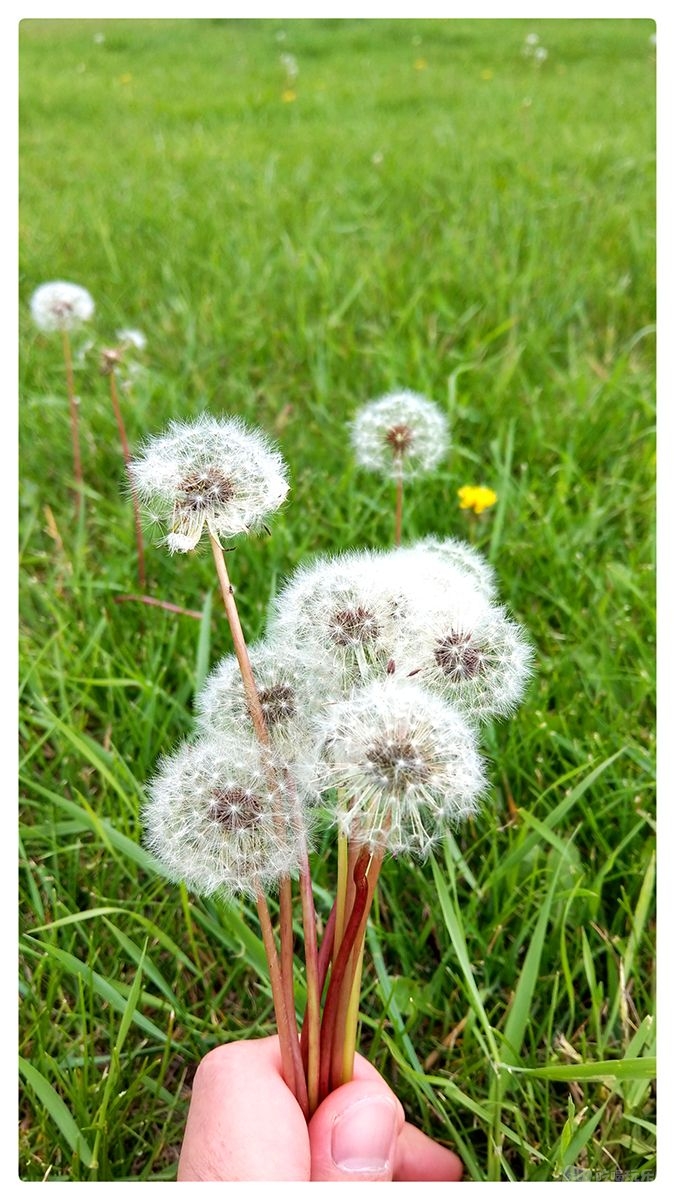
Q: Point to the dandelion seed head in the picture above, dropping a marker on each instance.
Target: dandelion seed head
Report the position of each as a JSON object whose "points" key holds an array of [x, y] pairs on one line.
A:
{"points": [[289, 690], [461, 556], [401, 435], [405, 765], [471, 653], [221, 817], [133, 338], [345, 612], [60, 306], [211, 471]]}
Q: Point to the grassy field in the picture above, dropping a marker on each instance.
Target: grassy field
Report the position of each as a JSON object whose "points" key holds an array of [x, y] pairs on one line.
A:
{"points": [[424, 206]]}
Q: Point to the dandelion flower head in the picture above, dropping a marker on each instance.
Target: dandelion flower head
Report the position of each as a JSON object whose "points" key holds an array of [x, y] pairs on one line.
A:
{"points": [[213, 472], [405, 765], [60, 306], [401, 435], [219, 818], [476, 498]]}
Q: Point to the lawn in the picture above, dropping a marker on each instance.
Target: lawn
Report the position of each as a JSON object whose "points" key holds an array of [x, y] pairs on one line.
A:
{"points": [[301, 215]]}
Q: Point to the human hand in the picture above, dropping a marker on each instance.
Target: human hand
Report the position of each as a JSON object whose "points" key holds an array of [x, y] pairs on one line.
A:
{"points": [[245, 1124]]}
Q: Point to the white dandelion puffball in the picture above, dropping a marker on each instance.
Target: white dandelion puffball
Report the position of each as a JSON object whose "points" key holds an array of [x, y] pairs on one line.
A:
{"points": [[402, 435], [346, 613], [405, 765], [288, 688], [463, 557], [220, 818], [211, 471], [132, 337], [60, 306], [472, 653]]}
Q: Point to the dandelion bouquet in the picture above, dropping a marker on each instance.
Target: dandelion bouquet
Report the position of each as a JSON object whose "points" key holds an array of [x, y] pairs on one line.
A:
{"points": [[359, 711]]}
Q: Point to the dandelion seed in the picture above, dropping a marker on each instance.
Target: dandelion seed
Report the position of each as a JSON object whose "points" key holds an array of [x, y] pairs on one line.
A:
{"points": [[212, 472], [476, 498], [406, 766], [214, 820], [60, 306], [540, 54]]}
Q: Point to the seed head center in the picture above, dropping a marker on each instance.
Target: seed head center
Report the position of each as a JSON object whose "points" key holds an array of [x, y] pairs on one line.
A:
{"points": [[203, 489], [351, 626], [400, 438], [277, 702], [398, 761], [235, 809], [458, 657]]}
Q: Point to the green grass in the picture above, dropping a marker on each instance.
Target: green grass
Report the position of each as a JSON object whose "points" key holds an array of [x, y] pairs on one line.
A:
{"points": [[476, 228]]}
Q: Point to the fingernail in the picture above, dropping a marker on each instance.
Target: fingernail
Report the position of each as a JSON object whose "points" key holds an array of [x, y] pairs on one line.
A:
{"points": [[364, 1135]]}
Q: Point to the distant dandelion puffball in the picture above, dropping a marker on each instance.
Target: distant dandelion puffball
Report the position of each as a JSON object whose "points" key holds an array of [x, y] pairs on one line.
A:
{"points": [[405, 763], [215, 821], [402, 435], [132, 337], [212, 472], [60, 306]]}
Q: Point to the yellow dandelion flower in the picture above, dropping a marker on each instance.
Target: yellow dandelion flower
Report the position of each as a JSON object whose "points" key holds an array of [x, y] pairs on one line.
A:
{"points": [[127, 78], [487, 74], [420, 64], [476, 498], [288, 96]]}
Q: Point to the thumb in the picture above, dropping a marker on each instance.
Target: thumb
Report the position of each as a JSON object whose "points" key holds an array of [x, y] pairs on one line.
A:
{"points": [[353, 1133]]}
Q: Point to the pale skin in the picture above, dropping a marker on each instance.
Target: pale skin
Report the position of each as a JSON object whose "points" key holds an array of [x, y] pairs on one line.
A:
{"points": [[245, 1124]]}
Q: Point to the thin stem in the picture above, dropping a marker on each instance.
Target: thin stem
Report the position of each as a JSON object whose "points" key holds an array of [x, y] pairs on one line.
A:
{"points": [[313, 1011], [286, 939], [348, 1004], [398, 523], [175, 608], [330, 1008], [74, 421], [240, 648], [348, 1017], [340, 890], [285, 1034], [260, 729], [127, 459]]}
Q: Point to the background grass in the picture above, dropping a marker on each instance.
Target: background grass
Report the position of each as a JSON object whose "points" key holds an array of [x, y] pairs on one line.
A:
{"points": [[432, 210]]}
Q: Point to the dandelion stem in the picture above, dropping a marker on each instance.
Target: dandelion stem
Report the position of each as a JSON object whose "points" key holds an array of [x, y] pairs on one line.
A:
{"points": [[74, 421], [325, 954], [240, 648], [340, 962], [346, 1020], [286, 1036], [398, 522], [340, 891], [313, 1011], [127, 459], [260, 728]]}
